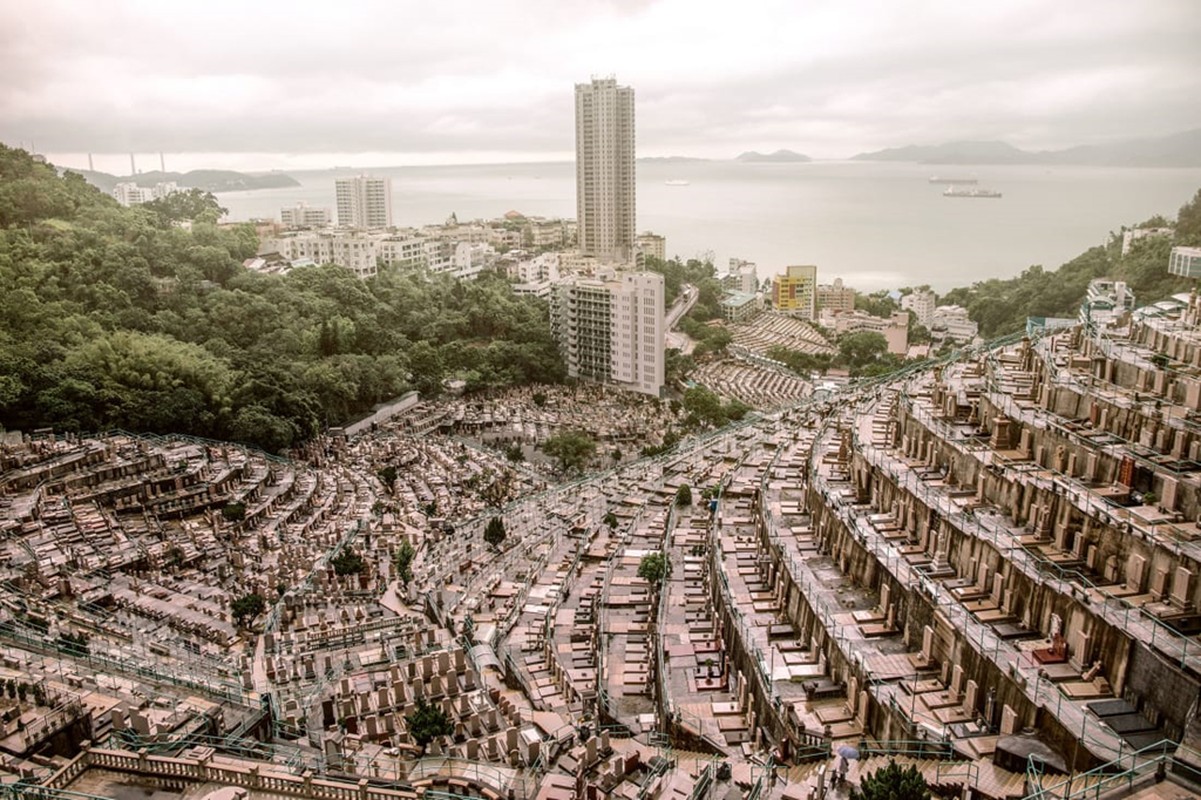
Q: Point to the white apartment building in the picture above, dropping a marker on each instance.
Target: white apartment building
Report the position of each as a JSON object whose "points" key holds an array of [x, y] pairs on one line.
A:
{"points": [[952, 322], [364, 202], [1185, 261], [922, 304], [604, 159], [540, 233], [741, 276], [612, 330], [1132, 235], [130, 194], [361, 253], [534, 276], [470, 260], [302, 215]]}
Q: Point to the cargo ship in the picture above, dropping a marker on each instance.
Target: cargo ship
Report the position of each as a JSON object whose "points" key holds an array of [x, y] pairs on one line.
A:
{"points": [[953, 192]]}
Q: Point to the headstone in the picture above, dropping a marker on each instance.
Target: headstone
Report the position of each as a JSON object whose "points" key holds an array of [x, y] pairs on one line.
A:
{"points": [[956, 680], [971, 696], [1009, 720]]}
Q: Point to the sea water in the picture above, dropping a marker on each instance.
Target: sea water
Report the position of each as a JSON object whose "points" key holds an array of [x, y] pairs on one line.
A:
{"points": [[875, 225]]}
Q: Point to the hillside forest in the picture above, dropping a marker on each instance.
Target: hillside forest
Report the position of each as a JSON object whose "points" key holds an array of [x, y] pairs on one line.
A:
{"points": [[117, 317]]}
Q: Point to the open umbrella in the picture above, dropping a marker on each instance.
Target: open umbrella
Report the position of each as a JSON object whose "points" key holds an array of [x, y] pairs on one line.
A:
{"points": [[848, 752]]}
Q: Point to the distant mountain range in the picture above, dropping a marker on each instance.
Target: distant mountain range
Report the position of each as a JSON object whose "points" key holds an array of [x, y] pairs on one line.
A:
{"points": [[211, 180], [1177, 150], [778, 157]]}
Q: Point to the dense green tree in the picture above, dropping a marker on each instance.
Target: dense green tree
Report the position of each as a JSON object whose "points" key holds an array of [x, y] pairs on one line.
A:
{"points": [[571, 448], [1188, 223], [653, 568], [684, 496], [427, 722], [892, 782], [878, 304], [387, 476], [494, 533], [247, 607], [858, 350], [188, 204], [118, 317], [405, 554], [348, 562]]}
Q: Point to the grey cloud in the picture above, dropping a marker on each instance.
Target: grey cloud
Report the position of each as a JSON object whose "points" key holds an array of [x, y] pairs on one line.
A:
{"points": [[414, 77]]}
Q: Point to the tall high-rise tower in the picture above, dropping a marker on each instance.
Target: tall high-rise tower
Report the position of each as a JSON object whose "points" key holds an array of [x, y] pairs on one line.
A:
{"points": [[364, 202], [604, 169]]}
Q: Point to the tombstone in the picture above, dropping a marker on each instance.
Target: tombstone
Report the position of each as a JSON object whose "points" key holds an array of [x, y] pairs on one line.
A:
{"points": [[861, 716], [590, 752], [443, 662], [139, 723], [1008, 721], [956, 680], [885, 593], [852, 693], [927, 643], [118, 719], [971, 696], [472, 749], [1081, 649], [998, 588], [1182, 588], [1159, 583]]}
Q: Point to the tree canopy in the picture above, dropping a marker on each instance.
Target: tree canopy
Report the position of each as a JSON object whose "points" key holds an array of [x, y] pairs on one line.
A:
{"points": [[118, 317], [494, 534], [405, 554], [891, 782], [1001, 306], [653, 568], [571, 448], [427, 722]]}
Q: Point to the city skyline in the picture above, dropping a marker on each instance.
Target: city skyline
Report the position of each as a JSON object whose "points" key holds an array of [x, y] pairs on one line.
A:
{"points": [[318, 87]]}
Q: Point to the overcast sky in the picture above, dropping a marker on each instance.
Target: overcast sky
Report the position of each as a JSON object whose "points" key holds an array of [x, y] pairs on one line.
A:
{"points": [[267, 84]]}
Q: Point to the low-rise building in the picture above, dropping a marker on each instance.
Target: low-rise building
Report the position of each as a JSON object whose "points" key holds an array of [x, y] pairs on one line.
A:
{"points": [[894, 329], [539, 234], [741, 276], [740, 306], [835, 297], [1185, 261], [1132, 235], [651, 244], [302, 215], [131, 194], [952, 323], [922, 303], [1105, 302]]}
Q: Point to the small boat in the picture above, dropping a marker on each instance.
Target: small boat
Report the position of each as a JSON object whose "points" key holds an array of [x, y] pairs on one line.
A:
{"points": [[953, 192], [677, 182], [940, 179]]}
